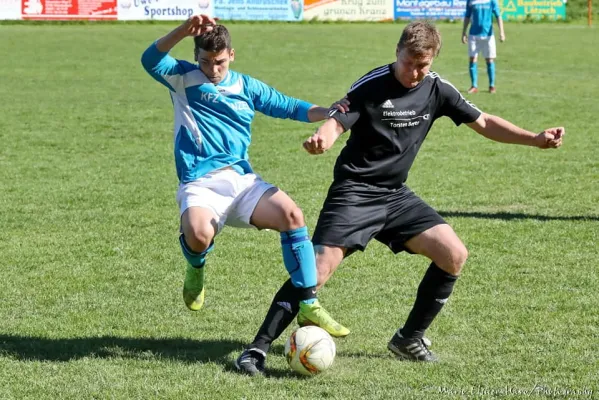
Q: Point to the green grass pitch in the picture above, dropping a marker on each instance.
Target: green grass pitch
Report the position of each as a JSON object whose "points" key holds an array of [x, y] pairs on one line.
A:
{"points": [[90, 295]]}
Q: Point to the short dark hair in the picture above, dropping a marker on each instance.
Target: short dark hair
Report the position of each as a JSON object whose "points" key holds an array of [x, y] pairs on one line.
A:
{"points": [[419, 37], [216, 40]]}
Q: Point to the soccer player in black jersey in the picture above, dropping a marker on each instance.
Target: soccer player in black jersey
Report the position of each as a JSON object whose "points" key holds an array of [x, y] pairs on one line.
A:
{"points": [[391, 110]]}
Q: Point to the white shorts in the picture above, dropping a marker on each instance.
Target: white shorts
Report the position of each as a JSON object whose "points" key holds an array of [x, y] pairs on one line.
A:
{"points": [[231, 197], [484, 44]]}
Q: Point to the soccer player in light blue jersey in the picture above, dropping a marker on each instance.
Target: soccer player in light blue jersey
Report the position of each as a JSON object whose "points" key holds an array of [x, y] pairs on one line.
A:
{"points": [[481, 38], [214, 108]]}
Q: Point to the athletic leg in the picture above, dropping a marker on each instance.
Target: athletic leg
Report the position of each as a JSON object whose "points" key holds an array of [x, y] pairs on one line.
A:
{"points": [[198, 226], [473, 75], [276, 210], [448, 255], [490, 53], [282, 311], [362, 204], [472, 67], [491, 73]]}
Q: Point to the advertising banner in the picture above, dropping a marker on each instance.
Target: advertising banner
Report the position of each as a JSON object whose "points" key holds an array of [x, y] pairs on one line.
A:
{"points": [[264, 10], [178, 10], [349, 10], [520, 9], [268, 10], [10, 9], [430, 9], [68, 9]]}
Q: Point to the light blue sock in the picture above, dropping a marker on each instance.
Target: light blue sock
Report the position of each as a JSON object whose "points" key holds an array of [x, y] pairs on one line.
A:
{"points": [[298, 256], [197, 260], [473, 74], [491, 72]]}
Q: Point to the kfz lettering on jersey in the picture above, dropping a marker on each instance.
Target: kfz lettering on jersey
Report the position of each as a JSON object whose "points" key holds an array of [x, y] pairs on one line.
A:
{"points": [[210, 97]]}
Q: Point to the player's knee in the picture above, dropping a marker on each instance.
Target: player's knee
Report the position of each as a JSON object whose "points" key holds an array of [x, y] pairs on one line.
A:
{"points": [[293, 218], [457, 259], [198, 240]]}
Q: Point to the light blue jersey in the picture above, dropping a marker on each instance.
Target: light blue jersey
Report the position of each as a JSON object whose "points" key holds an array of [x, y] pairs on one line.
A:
{"points": [[213, 122], [481, 14]]}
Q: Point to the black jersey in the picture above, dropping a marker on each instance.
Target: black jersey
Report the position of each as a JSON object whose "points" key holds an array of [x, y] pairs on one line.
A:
{"points": [[389, 122]]}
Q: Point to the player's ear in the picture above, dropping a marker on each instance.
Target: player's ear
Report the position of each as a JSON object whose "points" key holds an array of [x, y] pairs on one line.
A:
{"points": [[232, 55]]}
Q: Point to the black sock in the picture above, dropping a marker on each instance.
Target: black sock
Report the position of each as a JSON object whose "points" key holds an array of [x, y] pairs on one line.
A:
{"points": [[433, 293], [282, 311]]}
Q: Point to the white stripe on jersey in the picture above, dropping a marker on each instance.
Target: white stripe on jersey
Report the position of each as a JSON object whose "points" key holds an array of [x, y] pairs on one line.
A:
{"points": [[176, 82], [195, 78], [375, 73], [234, 88], [183, 81], [435, 75], [184, 117]]}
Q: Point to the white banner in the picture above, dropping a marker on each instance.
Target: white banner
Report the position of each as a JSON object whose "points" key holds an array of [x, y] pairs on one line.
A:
{"points": [[349, 10], [163, 9], [10, 9]]}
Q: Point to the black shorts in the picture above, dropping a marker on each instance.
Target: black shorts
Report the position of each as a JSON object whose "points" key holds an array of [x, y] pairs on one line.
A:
{"points": [[354, 213]]}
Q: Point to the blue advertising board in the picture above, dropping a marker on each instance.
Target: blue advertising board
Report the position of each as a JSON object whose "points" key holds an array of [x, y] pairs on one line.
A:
{"points": [[429, 9], [264, 10]]}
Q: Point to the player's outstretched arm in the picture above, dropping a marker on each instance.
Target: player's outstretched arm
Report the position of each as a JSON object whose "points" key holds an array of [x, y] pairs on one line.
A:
{"points": [[324, 138], [500, 130], [317, 113], [159, 64], [194, 26]]}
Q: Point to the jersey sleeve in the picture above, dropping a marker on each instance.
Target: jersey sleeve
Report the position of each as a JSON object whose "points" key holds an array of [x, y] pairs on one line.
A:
{"points": [[455, 106], [164, 68], [468, 10], [355, 97], [495, 9], [275, 104]]}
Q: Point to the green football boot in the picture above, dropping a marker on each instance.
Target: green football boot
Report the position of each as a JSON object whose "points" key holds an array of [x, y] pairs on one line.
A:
{"points": [[315, 314], [193, 288]]}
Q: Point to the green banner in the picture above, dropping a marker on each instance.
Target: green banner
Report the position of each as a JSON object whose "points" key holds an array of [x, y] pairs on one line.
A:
{"points": [[536, 9]]}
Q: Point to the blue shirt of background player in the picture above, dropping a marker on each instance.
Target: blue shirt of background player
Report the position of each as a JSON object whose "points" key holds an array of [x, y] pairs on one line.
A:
{"points": [[481, 14], [213, 121]]}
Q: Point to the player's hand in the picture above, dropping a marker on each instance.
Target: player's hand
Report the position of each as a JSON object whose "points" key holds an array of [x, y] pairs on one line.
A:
{"points": [[341, 105], [502, 37], [464, 39], [316, 144], [551, 138], [198, 24]]}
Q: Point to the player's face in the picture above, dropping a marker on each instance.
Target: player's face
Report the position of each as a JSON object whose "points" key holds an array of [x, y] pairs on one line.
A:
{"points": [[215, 65], [410, 69]]}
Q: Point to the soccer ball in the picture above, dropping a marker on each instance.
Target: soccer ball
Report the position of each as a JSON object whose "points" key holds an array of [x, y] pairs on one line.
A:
{"points": [[310, 350]]}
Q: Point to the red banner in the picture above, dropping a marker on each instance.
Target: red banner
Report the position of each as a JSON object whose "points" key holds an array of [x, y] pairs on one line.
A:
{"points": [[69, 9]]}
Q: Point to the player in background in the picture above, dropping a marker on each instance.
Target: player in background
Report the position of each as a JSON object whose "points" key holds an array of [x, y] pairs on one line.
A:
{"points": [[481, 38], [214, 107], [391, 110]]}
